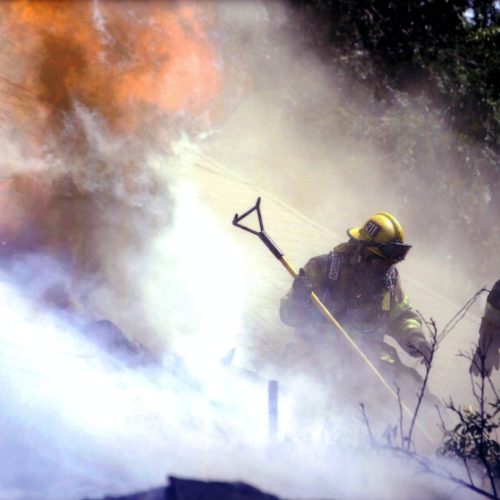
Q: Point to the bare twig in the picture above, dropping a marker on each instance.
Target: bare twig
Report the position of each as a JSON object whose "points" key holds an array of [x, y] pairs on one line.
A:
{"points": [[492, 387], [471, 439], [367, 423], [438, 470], [435, 340], [461, 313], [467, 468], [401, 430]]}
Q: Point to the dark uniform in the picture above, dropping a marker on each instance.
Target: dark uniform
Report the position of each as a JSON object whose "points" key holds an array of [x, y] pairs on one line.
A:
{"points": [[359, 284], [368, 303], [487, 355]]}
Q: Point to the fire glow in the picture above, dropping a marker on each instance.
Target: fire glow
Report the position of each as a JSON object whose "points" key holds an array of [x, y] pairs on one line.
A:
{"points": [[120, 59], [83, 81]]}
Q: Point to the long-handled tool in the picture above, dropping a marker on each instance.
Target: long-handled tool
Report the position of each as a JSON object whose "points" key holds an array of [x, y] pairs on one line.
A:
{"points": [[264, 237]]}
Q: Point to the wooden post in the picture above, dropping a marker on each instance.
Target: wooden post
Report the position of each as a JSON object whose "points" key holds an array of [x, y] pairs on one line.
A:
{"points": [[272, 404]]}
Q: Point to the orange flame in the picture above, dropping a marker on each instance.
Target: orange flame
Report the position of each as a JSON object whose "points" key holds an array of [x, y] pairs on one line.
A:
{"points": [[125, 60], [131, 62]]}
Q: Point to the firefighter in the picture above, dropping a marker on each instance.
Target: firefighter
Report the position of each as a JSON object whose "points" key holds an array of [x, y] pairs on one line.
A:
{"points": [[487, 353], [359, 284]]}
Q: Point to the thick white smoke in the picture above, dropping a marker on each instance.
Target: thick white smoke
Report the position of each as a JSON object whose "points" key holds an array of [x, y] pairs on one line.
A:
{"points": [[77, 422]]}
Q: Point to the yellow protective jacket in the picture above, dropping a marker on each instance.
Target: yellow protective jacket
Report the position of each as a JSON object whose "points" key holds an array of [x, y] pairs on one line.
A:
{"points": [[367, 305]]}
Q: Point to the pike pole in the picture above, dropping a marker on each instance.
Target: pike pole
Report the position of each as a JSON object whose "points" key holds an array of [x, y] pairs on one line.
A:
{"points": [[273, 248]]}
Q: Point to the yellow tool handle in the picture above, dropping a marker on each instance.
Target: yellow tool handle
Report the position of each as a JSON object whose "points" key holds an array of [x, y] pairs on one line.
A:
{"points": [[273, 248], [328, 315]]}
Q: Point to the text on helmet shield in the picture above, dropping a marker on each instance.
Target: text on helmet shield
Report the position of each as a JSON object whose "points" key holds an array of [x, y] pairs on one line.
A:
{"points": [[372, 228]]}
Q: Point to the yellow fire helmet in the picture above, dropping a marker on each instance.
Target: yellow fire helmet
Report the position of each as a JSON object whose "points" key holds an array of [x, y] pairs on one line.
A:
{"points": [[383, 235]]}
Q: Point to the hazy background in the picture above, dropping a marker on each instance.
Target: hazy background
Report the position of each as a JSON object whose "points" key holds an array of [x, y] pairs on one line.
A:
{"points": [[325, 145]]}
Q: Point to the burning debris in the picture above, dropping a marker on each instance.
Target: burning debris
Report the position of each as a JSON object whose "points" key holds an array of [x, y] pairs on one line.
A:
{"points": [[190, 489]]}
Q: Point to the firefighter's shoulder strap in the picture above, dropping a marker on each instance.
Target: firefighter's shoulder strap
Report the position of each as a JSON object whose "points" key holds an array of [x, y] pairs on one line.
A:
{"points": [[335, 258], [391, 281]]}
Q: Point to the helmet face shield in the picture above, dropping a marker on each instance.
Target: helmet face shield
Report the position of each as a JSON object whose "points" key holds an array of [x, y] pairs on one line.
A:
{"points": [[393, 251], [383, 236]]}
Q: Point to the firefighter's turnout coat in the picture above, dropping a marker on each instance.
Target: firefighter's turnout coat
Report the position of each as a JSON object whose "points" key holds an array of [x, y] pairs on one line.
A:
{"points": [[368, 305]]}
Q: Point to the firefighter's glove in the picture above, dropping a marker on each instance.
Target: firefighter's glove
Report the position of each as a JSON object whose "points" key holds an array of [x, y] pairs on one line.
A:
{"points": [[487, 355], [302, 287], [483, 361], [494, 296], [421, 349]]}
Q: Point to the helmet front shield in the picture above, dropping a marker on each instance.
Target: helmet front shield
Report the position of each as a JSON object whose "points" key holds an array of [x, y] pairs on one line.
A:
{"points": [[395, 251]]}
